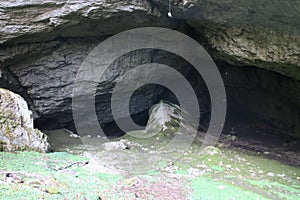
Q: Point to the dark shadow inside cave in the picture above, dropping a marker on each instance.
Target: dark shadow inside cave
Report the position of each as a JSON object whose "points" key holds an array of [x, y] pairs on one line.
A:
{"points": [[263, 106], [260, 111], [261, 103], [162, 93]]}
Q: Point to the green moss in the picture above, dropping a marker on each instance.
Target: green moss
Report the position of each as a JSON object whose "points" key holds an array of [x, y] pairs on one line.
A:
{"points": [[75, 183], [207, 189], [224, 173]]}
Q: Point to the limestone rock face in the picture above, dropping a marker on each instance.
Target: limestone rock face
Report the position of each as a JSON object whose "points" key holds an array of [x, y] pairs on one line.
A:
{"points": [[43, 43], [16, 127], [258, 33]]}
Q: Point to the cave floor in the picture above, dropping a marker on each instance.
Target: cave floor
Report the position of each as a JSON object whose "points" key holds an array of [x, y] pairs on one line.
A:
{"points": [[222, 172]]}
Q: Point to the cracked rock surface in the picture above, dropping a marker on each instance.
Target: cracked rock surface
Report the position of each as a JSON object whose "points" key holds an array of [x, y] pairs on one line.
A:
{"points": [[43, 43]]}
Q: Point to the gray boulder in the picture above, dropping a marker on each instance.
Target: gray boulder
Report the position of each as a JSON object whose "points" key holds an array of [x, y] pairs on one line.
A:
{"points": [[166, 120], [16, 125]]}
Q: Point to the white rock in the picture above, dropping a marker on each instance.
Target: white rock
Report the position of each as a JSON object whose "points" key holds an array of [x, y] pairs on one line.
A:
{"points": [[281, 175], [271, 174], [113, 146], [74, 136]]}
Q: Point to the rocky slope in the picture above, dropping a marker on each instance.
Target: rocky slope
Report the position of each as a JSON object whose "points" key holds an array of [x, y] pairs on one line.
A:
{"points": [[43, 44]]}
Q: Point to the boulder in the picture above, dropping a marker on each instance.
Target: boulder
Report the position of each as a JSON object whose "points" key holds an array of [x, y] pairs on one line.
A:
{"points": [[165, 121], [115, 145], [16, 125]]}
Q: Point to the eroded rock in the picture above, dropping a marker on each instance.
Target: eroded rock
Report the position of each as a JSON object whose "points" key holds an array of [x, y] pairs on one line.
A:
{"points": [[16, 127], [115, 145], [166, 120], [43, 44], [256, 33]]}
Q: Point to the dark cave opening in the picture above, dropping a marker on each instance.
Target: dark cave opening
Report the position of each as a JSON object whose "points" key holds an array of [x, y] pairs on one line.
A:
{"points": [[259, 101], [262, 105]]}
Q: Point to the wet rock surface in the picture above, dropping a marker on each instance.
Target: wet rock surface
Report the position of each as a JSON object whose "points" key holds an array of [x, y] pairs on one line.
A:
{"points": [[16, 127]]}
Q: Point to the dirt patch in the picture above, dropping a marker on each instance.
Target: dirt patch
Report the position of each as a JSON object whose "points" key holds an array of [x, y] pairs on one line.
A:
{"points": [[143, 188]]}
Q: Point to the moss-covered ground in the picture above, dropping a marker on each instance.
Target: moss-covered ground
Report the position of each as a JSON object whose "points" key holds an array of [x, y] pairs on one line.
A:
{"points": [[216, 173]]}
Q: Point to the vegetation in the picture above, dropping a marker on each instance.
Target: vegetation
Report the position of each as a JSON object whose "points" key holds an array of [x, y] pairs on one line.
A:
{"points": [[213, 174]]}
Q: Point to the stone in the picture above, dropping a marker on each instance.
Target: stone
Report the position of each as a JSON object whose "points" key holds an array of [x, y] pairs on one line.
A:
{"points": [[210, 151], [114, 146], [270, 174], [281, 175], [16, 127], [256, 33], [164, 122], [232, 137], [262, 34], [43, 44], [164, 118]]}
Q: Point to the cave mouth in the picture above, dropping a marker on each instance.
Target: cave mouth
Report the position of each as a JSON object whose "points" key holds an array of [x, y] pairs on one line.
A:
{"points": [[262, 106], [260, 112], [254, 103], [149, 94], [259, 102], [141, 119]]}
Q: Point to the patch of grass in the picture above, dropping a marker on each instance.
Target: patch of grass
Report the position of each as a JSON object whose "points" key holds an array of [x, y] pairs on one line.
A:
{"points": [[207, 189], [223, 174], [234, 174], [75, 182]]}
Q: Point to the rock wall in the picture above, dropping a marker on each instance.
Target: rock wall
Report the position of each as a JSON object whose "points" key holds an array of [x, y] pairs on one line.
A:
{"points": [[44, 42], [256, 33]]}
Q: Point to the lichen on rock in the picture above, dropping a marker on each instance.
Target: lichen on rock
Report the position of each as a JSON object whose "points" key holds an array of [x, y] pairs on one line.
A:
{"points": [[166, 120], [16, 125]]}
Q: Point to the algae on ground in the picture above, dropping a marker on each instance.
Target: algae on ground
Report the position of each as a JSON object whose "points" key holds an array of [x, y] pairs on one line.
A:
{"points": [[215, 173], [73, 183]]}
